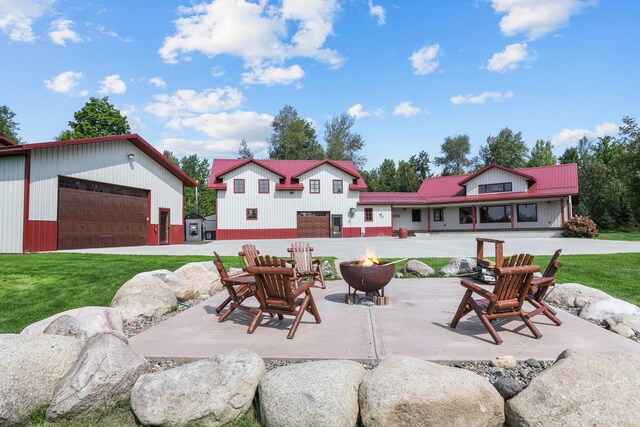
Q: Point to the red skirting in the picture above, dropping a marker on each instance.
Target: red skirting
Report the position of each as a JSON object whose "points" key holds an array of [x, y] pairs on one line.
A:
{"points": [[351, 232], [268, 233], [378, 231], [40, 236], [152, 234], [176, 234]]}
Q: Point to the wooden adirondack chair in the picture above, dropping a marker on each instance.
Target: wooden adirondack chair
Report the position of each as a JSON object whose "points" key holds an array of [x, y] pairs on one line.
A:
{"points": [[249, 254], [306, 265], [239, 286], [539, 288], [276, 292], [506, 300]]}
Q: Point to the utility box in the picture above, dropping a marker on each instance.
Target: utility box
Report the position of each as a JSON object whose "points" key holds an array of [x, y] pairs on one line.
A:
{"points": [[210, 227], [193, 228]]}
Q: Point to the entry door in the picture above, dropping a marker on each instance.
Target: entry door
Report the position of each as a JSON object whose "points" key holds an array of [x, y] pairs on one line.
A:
{"points": [[164, 226], [336, 225]]}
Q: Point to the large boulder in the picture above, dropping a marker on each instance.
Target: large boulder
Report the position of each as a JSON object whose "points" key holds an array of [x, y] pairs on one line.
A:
{"points": [[144, 296], [181, 287], [30, 368], [603, 308], [418, 268], [209, 392], [458, 266], [581, 389], [203, 277], [573, 295], [403, 391], [102, 376], [323, 393], [91, 320], [67, 326], [629, 320]]}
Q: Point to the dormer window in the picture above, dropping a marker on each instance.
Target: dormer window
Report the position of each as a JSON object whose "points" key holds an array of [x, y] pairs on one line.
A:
{"points": [[495, 188], [295, 180], [219, 180], [282, 180], [354, 181]]}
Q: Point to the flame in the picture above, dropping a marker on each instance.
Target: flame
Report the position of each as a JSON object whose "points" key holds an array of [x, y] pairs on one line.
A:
{"points": [[370, 258]]}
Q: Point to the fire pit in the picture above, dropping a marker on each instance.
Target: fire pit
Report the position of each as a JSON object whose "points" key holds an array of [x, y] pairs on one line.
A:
{"points": [[368, 276]]}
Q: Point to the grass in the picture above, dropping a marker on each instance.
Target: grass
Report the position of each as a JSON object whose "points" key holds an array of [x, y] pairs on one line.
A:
{"points": [[619, 235]]}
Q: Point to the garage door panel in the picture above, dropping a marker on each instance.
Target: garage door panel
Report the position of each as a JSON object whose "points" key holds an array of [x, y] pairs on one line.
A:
{"points": [[313, 224]]}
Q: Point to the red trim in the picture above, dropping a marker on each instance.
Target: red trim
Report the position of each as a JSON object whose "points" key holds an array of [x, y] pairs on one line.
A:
{"points": [[41, 236], [247, 214], [513, 217], [243, 186], [263, 233], [217, 216], [160, 210], [290, 187], [311, 187], [332, 163], [494, 165], [428, 219], [218, 186], [7, 142], [473, 217], [244, 162], [562, 209], [378, 231], [351, 232], [480, 188], [152, 229], [26, 192], [268, 187], [333, 185], [176, 234]]}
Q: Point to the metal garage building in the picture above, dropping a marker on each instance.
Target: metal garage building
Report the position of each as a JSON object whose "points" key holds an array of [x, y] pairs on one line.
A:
{"points": [[88, 193]]}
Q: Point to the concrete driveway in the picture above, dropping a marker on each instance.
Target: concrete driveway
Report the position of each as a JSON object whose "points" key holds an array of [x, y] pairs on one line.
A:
{"points": [[423, 245]]}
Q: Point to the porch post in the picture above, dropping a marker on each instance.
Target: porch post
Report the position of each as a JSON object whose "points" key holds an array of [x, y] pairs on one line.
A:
{"points": [[513, 218], [570, 215], [429, 219], [562, 208], [473, 217]]}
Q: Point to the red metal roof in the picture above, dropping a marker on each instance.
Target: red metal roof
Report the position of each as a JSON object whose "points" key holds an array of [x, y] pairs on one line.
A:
{"points": [[135, 139], [287, 169], [6, 142]]}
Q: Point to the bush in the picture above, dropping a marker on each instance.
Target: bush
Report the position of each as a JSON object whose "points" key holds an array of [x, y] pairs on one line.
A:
{"points": [[580, 226]]}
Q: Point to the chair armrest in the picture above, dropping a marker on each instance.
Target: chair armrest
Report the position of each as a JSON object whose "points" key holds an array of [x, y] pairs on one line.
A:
{"points": [[524, 269], [302, 288], [478, 290], [317, 261], [290, 261], [543, 281]]}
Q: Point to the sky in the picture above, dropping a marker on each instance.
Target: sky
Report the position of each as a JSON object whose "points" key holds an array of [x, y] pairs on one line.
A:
{"points": [[198, 77]]}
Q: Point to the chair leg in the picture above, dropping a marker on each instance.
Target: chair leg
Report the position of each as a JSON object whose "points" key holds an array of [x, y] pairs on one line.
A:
{"points": [[485, 321], [551, 315], [223, 305], [299, 314], [543, 308], [532, 327], [256, 319], [461, 309], [227, 313], [324, 285], [313, 309]]}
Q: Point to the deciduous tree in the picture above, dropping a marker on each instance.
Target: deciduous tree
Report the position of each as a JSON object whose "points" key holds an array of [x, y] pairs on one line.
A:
{"points": [[407, 180], [8, 126], [455, 155], [244, 152], [342, 143], [542, 154], [421, 165], [507, 149], [97, 118], [293, 137]]}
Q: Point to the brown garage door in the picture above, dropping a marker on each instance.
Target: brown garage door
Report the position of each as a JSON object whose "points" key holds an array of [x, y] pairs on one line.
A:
{"points": [[94, 215], [313, 224]]}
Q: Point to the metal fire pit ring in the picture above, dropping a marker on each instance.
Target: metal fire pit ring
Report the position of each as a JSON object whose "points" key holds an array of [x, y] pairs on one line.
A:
{"points": [[366, 279]]}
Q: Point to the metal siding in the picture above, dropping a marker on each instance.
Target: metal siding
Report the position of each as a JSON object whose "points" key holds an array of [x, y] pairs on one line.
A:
{"points": [[103, 162], [496, 176], [402, 218], [549, 215], [451, 220], [12, 206]]}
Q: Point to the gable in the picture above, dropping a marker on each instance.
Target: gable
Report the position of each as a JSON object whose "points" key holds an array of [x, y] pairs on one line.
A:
{"points": [[519, 184]]}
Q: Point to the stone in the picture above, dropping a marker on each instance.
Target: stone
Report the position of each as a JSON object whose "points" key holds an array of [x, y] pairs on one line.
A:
{"points": [[144, 296], [504, 362], [623, 330], [203, 276], [30, 367], [508, 387], [327, 270], [102, 376], [92, 320], [630, 320], [458, 266], [418, 268], [581, 389], [182, 288], [403, 391], [600, 309], [66, 326], [565, 294], [532, 362], [497, 372], [323, 393], [209, 392]]}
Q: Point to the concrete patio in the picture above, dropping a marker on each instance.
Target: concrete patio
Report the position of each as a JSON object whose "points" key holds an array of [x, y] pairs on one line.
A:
{"points": [[416, 323]]}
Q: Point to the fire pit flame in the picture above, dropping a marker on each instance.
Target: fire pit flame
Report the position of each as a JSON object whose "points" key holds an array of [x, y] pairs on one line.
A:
{"points": [[370, 259]]}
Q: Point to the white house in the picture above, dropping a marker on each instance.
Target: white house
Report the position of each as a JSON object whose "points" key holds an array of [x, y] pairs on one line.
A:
{"points": [[86, 193]]}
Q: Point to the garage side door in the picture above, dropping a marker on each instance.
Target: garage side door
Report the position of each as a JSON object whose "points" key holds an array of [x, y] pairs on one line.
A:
{"points": [[88, 218], [313, 224]]}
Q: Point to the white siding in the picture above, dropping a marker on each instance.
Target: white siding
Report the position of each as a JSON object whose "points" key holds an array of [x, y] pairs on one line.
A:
{"points": [[103, 162], [12, 205], [497, 176], [549, 214], [382, 217], [451, 220], [403, 218]]}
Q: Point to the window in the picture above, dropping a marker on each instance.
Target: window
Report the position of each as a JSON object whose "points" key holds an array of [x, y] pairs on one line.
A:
{"points": [[263, 186], [494, 188], [528, 213], [368, 214], [491, 214], [238, 185], [252, 214], [416, 215], [337, 186], [438, 214], [314, 186], [466, 215]]}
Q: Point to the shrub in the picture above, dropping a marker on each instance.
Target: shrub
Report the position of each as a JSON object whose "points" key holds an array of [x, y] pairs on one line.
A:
{"points": [[580, 226]]}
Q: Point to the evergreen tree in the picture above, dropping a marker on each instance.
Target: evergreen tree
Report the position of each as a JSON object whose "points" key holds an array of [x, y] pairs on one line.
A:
{"points": [[97, 118], [542, 154], [508, 149], [407, 180], [198, 169], [420, 164], [8, 126], [570, 155], [342, 144], [293, 138], [387, 175], [244, 152], [455, 158]]}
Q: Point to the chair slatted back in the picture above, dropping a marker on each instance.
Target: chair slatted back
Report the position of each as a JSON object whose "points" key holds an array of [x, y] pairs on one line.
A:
{"points": [[249, 254], [511, 281], [274, 281], [220, 266], [302, 254], [554, 265]]}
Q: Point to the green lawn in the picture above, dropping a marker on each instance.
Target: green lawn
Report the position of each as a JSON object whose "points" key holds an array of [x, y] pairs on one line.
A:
{"points": [[619, 235], [35, 286]]}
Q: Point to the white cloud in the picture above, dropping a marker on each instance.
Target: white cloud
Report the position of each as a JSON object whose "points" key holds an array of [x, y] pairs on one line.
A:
{"points": [[274, 75], [536, 18], [17, 16], [407, 109], [208, 148], [186, 102], [482, 98], [572, 136], [103, 30], [424, 61], [135, 122], [60, 32], [510, 58], [378, 12], [64, 82], [217, 71], [359, 112], [158, 82], [256, 32], [113, 85]]}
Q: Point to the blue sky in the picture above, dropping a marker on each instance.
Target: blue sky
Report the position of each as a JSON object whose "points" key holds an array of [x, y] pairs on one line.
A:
{"points": [[198, 77]]}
